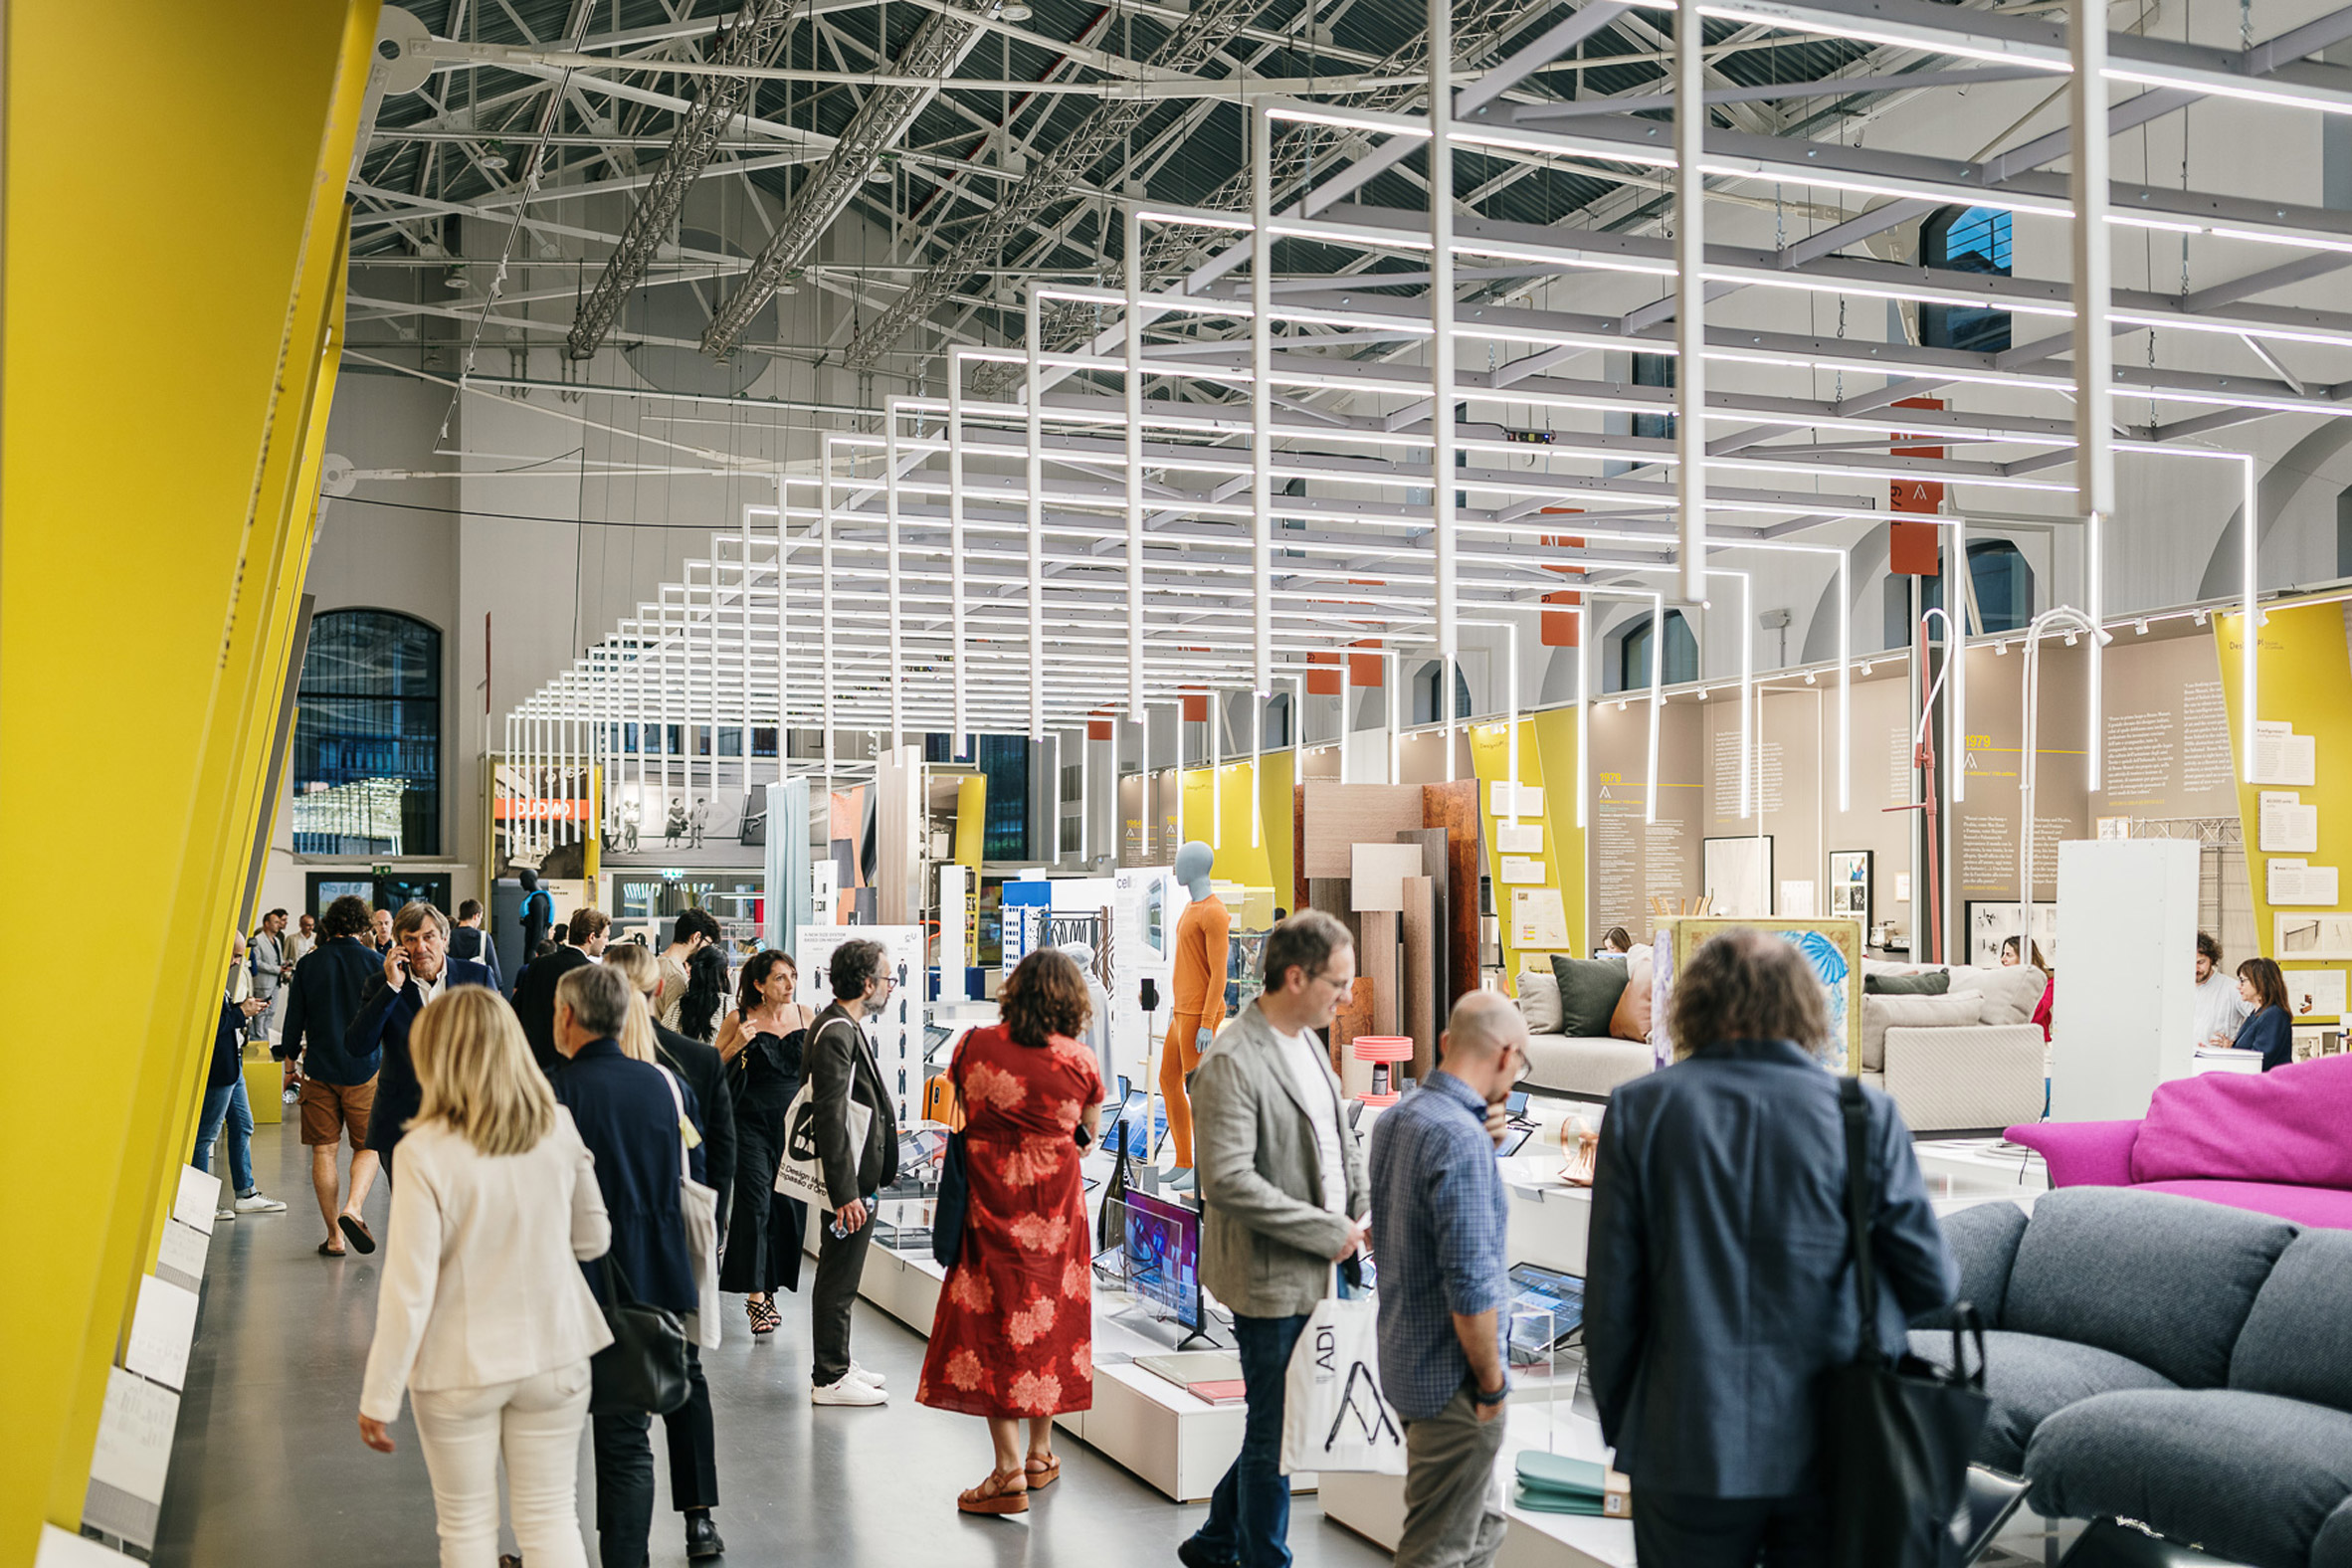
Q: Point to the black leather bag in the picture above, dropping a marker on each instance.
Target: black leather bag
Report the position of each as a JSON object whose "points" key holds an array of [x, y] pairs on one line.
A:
{"points": [[947, 1210], [644, 1369], [1895, 1435]]}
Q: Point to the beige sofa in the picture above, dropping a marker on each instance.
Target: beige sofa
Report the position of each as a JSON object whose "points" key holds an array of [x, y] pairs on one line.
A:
{"points": [[1580, 1067], [1970, 1060]]}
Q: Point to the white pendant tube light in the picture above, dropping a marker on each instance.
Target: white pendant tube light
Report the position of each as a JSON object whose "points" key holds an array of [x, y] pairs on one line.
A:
{"points": [[891, 417], [1392, 673], [1691, 382], [1259, 703], [1441, 357], [1261, 394], [2251, 625], [825, 609], [2094, 346], [959, 735], [1216, 771], [1134, 412], [1037, 526]]}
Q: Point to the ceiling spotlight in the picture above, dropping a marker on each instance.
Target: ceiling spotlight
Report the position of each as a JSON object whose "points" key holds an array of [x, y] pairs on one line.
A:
{"points": [[1621, 704], [493, 156], [456, 281], [1865, 666], [2069, 638], [2201, 617], [1809, 677], [2001, 649], [879, 174], [2140, 626], [1013, 11]]}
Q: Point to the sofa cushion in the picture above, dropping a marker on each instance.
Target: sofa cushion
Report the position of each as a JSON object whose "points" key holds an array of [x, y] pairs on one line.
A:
{"points": [[2248, 1476], [2319, 1205], [1631, 1021], [1592, 1066], [2287, 1126], [2032, 1378], [1983, 1238], [1909, 1011], [2007, 993], [2163, 1279], [2333, 1547], [1927, 982], [2294, 1341], [1539, 1001], [1589, 988]]}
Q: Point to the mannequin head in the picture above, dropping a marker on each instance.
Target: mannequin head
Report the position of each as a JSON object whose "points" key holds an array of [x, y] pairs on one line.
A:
{"points": [[529, 879], [1194, 863]]}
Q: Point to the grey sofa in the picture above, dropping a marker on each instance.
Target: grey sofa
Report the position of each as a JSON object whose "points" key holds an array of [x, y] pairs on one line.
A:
{"points": [[2179, 1363]]}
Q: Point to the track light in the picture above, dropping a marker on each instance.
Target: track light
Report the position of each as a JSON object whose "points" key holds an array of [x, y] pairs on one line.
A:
{"points": [[1865, 666], [2201, 617], [1809, 677], [2140, 626], [2069, 638], [2001, 649]]}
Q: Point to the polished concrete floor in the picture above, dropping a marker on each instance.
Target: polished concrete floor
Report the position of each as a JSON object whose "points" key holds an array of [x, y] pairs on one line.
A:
{"points": [[268, 1467]]}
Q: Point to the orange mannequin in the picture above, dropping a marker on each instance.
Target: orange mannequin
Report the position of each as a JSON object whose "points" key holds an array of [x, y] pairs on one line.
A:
{"points": [[1196, 992]]}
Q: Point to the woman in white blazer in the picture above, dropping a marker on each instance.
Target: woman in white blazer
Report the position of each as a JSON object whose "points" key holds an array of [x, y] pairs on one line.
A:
{"points": [[483, 1317]]}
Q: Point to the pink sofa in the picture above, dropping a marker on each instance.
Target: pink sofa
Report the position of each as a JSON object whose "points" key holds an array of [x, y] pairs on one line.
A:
{"points": [[2274, 1142]]}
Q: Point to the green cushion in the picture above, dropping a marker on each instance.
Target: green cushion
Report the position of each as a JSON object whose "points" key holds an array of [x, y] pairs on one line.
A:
{"points": [[1933, 982], [1589, 988]]}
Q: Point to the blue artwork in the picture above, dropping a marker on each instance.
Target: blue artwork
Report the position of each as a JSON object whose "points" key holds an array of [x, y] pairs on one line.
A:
{"points": [[1831, 966]]}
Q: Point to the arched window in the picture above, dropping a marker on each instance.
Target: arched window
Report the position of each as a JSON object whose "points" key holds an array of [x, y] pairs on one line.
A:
{"points": [[1965, 239], [1636, 644], [2004, 584], [1425, 694], [366, 766]]}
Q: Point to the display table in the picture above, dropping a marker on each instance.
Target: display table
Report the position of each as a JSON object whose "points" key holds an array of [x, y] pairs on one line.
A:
{"points": [[1180, 1445], [1374, 1506]]}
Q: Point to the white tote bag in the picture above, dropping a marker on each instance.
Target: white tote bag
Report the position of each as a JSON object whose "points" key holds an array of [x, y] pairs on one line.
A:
{"points": [[801, 1172], [1334, 1417], [699, 1206]]}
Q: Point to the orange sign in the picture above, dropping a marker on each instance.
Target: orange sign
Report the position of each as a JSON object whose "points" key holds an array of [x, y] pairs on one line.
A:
{"points": [[512, 808]]}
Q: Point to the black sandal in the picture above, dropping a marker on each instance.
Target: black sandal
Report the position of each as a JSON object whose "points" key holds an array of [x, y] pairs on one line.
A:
{"points": [[329, 1248], [356, 1232], [765, 1319]]}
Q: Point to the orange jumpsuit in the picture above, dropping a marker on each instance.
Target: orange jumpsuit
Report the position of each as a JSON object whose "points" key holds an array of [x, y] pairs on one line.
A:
{"points": [[1197, 992]]}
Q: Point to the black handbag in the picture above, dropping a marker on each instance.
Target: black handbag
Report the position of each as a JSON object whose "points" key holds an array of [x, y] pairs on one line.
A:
{"points": [[1895, 1435], [947, 1210], [643, 1370]]}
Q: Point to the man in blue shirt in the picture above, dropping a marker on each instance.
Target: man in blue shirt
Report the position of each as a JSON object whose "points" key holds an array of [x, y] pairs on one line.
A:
{"points": [[1437, 1219]]}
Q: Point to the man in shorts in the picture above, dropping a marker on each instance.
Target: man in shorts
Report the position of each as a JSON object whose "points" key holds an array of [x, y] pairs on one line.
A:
{"points": [[338, 1090]]}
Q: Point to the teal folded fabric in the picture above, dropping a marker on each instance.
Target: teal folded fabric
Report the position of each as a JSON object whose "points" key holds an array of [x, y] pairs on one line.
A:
{"points": [[1557, 1473], [1542, 1499]]}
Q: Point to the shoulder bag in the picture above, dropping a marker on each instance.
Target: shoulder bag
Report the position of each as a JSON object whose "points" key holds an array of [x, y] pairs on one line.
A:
{"points": [[955, 1180], [644, 1369], [801, 1172], [1895, 1435], [699, 1204]]}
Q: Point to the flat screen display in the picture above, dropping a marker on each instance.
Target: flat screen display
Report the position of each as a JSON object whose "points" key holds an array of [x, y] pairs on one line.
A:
{"points": [[1542, 1299], [1164, 1256]]}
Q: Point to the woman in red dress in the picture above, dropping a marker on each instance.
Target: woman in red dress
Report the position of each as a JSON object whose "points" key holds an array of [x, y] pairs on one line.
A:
{"points": [[1013, 1337]]}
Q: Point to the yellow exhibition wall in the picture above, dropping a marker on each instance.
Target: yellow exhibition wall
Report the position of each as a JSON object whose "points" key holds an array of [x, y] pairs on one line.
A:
{"points": [[1546, 761], [1238, 859], [154, 534], [2303, 676]]}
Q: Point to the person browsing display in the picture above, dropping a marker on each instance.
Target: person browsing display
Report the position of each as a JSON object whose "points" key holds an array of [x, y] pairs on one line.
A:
{"points": [[843, 1073], [2220, 1010], [2271, 1027]]}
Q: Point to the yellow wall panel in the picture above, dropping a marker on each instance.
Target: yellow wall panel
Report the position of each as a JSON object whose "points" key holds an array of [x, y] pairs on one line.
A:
{"points": [[153, 531]]}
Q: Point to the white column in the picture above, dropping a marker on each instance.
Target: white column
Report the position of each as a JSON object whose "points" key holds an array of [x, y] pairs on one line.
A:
{"points": [[2094, 345]]}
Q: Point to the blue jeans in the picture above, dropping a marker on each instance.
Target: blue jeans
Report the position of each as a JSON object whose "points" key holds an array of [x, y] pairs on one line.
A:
{"points": [[1249, 1512], [228, 1104]]}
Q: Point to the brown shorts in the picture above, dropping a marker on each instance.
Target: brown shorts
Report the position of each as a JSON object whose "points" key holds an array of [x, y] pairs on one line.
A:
{"points": [[328, 1108]]}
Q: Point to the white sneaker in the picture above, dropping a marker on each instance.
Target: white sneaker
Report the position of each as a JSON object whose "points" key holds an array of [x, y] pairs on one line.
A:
{"points": [[259, 1203], [849, 1391], [867, 1376], [224, 1214]]}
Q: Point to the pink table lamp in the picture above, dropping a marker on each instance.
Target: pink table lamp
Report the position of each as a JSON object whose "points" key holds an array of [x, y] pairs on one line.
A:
{"points": [[1381, 1050]]}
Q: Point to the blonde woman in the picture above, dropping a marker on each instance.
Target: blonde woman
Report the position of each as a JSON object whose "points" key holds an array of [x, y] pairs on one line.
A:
{"points": [[483, 1319]]}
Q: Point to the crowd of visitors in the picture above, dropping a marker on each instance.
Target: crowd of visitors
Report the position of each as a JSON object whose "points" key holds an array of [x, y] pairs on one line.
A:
{"points": [[545, 1151]]}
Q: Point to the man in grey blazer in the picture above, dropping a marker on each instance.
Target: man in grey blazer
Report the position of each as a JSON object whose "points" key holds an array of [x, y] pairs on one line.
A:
{"points": [[1282, 1197]]}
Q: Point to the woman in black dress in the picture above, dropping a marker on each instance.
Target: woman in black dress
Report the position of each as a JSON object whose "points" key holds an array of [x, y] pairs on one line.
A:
{"points": [[762, 1040]]}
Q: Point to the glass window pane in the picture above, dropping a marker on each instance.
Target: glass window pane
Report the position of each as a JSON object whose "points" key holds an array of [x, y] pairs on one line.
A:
{"points": [[366, 764]]}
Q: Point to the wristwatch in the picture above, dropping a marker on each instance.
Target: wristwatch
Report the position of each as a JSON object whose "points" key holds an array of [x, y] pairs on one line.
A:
{"points": [[1486, 1401]]}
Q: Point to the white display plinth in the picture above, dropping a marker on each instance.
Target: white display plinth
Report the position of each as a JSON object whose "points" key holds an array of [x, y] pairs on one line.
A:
{"points": [[2125, 1019], [1140, 1419], [1548, 1220], [1374, 1506]]}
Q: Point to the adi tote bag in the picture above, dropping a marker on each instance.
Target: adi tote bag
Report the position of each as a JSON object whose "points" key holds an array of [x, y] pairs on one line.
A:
{"points": [[1334, 1417], [801, 1172]]}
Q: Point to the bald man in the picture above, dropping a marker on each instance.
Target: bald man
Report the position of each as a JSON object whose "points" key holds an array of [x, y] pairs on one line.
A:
{"points": [[1437, 1220]]}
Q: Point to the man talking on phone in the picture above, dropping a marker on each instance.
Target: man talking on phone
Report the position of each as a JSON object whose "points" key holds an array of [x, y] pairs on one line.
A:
{"points": [[417, 968]]}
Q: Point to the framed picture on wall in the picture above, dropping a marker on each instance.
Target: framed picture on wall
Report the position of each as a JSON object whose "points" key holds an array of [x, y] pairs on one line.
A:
{"points": [[1989, 924], [1737, 875], [1850, 885]]}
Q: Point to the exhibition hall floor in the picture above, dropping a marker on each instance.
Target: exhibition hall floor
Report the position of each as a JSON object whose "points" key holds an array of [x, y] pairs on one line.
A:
{"points": [[268, 1466]]}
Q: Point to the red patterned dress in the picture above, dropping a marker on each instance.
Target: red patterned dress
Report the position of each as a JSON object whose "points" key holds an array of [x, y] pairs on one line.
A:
{"points": [[1015, 1330]]}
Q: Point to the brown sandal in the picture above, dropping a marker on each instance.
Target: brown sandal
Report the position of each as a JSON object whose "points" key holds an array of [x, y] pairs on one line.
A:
{"points": [[1042, 1471], [997, 1494]]}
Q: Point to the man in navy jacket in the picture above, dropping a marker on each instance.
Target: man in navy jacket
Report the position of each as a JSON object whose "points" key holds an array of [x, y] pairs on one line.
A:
{"points": [[338, 1090], [416, 970], [628, 1117]]}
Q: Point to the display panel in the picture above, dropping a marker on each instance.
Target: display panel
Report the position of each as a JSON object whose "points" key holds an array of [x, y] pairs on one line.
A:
{"points": [[1163, 1256], [1546, 1306]]}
